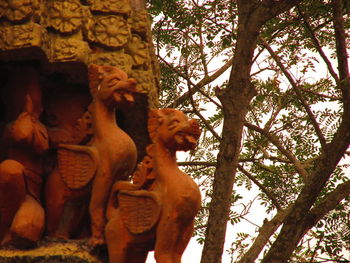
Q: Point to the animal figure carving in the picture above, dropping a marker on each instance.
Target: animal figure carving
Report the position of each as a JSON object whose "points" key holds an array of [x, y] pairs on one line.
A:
{"points": [[94, 167], [157, 210], [22, 217]]}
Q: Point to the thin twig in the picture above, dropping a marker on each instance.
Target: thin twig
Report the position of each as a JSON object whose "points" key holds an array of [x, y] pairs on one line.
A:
{"points": [[196, 86], [204, 121], [263, 188], [321, 95], [297, 92], [275, 141], [317, 44], [184, 97]]}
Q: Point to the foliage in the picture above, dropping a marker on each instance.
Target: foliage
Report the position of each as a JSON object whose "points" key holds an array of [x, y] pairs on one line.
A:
{"points": [[194, 41]]}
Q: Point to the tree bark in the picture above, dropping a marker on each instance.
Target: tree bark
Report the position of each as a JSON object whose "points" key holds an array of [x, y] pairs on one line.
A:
{"points": [[235, 100]]}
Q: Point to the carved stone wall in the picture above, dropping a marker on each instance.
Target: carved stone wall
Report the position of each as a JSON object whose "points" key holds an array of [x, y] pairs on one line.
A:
{"points": [[65, 36], [106, 32]]}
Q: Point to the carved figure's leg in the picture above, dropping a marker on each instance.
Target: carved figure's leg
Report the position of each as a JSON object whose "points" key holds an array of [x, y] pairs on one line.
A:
{"points": [[167, 235], [55, 200], [75, 211], [138, 257], [100, 190], [117, 238], [172, 239], [12, 193], [29, 221], [182, 241]]}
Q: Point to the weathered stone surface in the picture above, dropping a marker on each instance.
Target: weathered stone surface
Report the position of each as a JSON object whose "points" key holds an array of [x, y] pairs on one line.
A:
{"points": [[51, 252], [113, 58], [21, 36], [91, 31], [139, 22], [18, 10], [111, 31], [67, 48], [65, 16], [138, 50], [110, 6]]}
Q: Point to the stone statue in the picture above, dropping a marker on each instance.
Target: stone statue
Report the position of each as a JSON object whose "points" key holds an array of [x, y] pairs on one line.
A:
{"points": [[25, 140], [69, 122], [156, 211], [93, 168]]}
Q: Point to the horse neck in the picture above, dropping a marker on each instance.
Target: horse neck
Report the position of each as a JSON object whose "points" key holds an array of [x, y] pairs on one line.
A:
{"points": [[104, 119], [165, 162]]}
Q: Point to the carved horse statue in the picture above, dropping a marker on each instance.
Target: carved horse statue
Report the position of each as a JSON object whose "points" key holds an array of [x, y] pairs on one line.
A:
{"points": [[156, 211], [93, 168]]}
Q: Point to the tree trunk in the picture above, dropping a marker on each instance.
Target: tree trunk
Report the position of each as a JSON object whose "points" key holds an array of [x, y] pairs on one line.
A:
{"points": [[235, 99]]}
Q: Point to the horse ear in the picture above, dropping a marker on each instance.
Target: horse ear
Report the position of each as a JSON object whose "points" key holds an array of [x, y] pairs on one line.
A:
{"points": [[28, 107], [155, 119], [95, 76]]}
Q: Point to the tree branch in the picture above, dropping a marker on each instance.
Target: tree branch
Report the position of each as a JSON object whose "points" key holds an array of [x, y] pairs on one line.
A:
{"points": [[330, 201], [208, 164], [275, 141], [294, 225], [340, 37], [297, 91], [265, 232], [198, 88], [317, 44], [205, 122], [263, 188], [269, 9], [205, 81], [320, 94]]}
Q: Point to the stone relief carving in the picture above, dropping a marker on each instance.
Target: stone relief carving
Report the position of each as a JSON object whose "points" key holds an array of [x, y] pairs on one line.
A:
{"points": [[65, 16], [108, 6], [115, 58], [139, 22], [67, 49], [20, 36], [156, 212], [85, 31], [95, 158], [144, 79], [25, 140], [67, 132], [17, 10], [111, 31], [138, 50], [109, 156]]}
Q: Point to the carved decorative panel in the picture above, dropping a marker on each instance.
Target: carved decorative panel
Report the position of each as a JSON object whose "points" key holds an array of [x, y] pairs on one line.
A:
{"points": [[139, 22], [144, 79], [67, 49], [20, 36], [110, 6], [65, 16], [105, 32], [47, 48], [117, 58], [110, 31], [17, 10], [138, 50]]}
